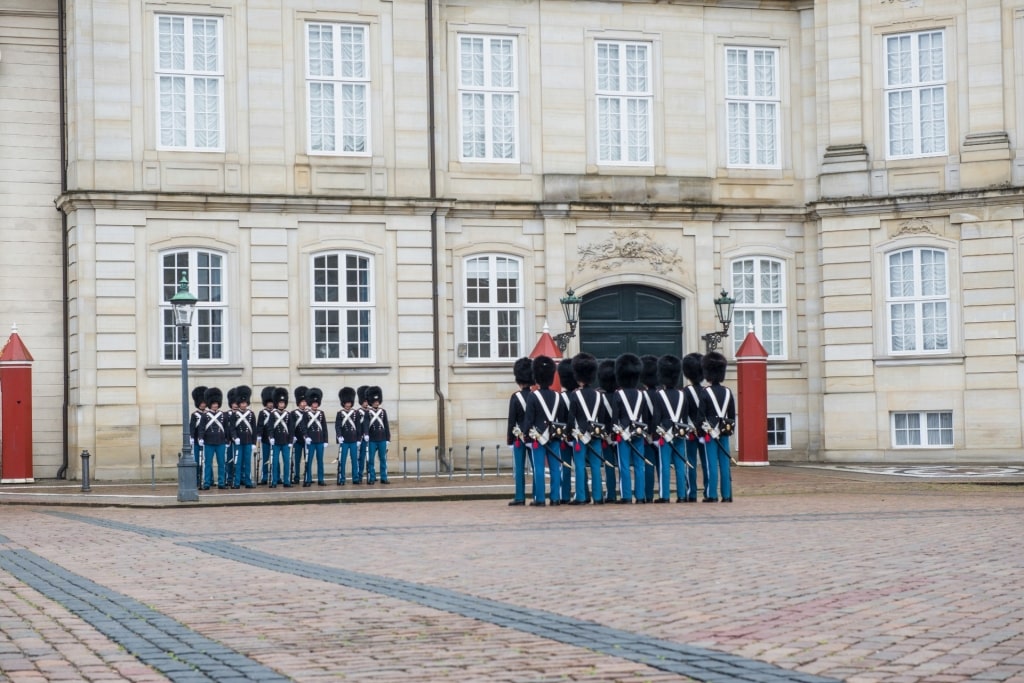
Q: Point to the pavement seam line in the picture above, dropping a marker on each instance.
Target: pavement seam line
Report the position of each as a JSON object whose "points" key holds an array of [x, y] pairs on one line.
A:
{"points": [[155, 639]]}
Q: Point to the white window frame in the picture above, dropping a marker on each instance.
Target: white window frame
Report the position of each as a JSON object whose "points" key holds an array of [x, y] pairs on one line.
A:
{"points": [[915, 90], [207, 339], [350, 299], [752, 91], [183, 99], [346, 80], [764, 307], [917, 302], [488, 87], [785, 431], [928, 435], [615, 85], [492, 309]]}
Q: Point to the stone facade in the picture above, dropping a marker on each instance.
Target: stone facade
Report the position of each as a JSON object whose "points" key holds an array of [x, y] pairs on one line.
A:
{"points": [[826, 196]]}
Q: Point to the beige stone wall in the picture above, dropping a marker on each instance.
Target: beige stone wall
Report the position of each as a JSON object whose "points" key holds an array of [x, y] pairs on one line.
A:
{"points": [[30, 227]]}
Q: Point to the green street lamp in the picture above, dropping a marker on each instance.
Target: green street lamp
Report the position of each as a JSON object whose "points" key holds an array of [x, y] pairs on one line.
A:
{"points": [[571, 308], [183, 304]]}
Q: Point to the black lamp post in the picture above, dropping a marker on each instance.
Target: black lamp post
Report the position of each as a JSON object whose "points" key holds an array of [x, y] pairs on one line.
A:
{"points": [[723, 309], [184, 303], [571, 308]]}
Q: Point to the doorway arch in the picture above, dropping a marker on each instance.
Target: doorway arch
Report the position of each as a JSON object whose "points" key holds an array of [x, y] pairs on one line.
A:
{"points": [[631, 319]]}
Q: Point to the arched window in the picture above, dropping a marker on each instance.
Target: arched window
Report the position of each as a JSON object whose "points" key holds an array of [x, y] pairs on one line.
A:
{"points": [[343, 308], [205, 271], [759, 287], [917, 301], [493, 307]]}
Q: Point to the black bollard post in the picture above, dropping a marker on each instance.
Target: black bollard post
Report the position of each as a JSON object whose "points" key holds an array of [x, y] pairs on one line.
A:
{"points": [[437, 461], [481, 462], [405, 463], [467, 461], [85, 472], [451, 463], [497, 459], [152, 470], [417, 463]]}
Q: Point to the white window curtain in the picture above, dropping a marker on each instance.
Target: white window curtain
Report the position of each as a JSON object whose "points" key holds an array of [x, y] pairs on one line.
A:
{"points": [[488, 98], [205, 271], [752, 107], [190, 82], [915, 94], [918, 301], [759, 288], [624, 94], [343, 309], [338, 89], [493, 307]]}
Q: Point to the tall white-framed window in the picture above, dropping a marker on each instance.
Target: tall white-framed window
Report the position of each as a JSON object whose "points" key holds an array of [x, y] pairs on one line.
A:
{"points": [[917, 300], [190, 82], [778, 432], [488, 98], [915, 94], [206, 271], [759, 288], [625, 102], [493, 307], [753, 102], [338, 89], [922, 429], [343, 307]]}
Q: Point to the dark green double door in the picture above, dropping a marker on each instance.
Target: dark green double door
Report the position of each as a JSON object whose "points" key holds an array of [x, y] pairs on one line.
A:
{"points": [[631, 319]]}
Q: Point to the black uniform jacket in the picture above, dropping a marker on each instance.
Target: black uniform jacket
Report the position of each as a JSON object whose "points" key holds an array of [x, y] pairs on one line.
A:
{"points": [[242, 426], [348, 425], [375, 424], [517, 415]]}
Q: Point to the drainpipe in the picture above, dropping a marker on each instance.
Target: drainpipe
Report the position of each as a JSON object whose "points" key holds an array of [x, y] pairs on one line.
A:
{"points": [[435, 256], [62, 473]]}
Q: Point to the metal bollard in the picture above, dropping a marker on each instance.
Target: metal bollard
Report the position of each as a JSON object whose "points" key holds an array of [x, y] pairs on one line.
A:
{"points": [[417, 463], [437, 462], [405, 463], [451, 463], [467, 461], [152, 470], [85, 472], [497, 459], [481, 462]]}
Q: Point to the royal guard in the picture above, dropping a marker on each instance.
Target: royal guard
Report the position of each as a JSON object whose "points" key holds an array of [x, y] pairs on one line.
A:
{"points": [[298, 446], [586, 411], [348, 428], [360, 467], [213, 438], [567, 379], [263, 434], [694, 375], [243, 437], [669, 420], [314, 436], [718, 408], [632, 418], [522, 371], [280, 436], [649, 385], [546, 421], [199, 400], [376, 434], [230, 454], [609, 450]]}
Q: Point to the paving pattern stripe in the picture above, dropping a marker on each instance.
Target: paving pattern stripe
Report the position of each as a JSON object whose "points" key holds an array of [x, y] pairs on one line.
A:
{"points": [[112, 524], [699, 663], [170, 647]]}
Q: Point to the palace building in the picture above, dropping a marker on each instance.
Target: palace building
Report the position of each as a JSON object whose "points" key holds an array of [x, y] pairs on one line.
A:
{"points": [[398, 192]]}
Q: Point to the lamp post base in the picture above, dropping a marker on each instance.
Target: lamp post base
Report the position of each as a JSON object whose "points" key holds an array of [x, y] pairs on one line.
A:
{"points": [[188, 487]]}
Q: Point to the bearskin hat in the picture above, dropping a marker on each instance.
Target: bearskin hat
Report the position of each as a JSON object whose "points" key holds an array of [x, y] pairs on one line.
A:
{"points": [[606, 375], [374, 395], [543, 371], [566, 377], [280, 394], [584, 366], [361, 394], [523, 371], [649, 374], [315, 395], [628, 367], [233, 396], [267, 395], [691, 368], [714, 365], [214, 395], [243, 394], [300, 394], [199, 396], [669, 370], [347, 395]]}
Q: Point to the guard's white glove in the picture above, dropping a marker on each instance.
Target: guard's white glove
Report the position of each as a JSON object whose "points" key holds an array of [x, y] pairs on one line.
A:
{"points": [[259, 440], [238, 442], [201, 444], [271, 441], [365, 438], [339, 441], [309, 441], [191, 441]]}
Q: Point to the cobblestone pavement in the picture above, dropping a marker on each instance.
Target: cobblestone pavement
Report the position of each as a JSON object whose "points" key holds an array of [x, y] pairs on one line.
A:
{"points": [[810, 575]]}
